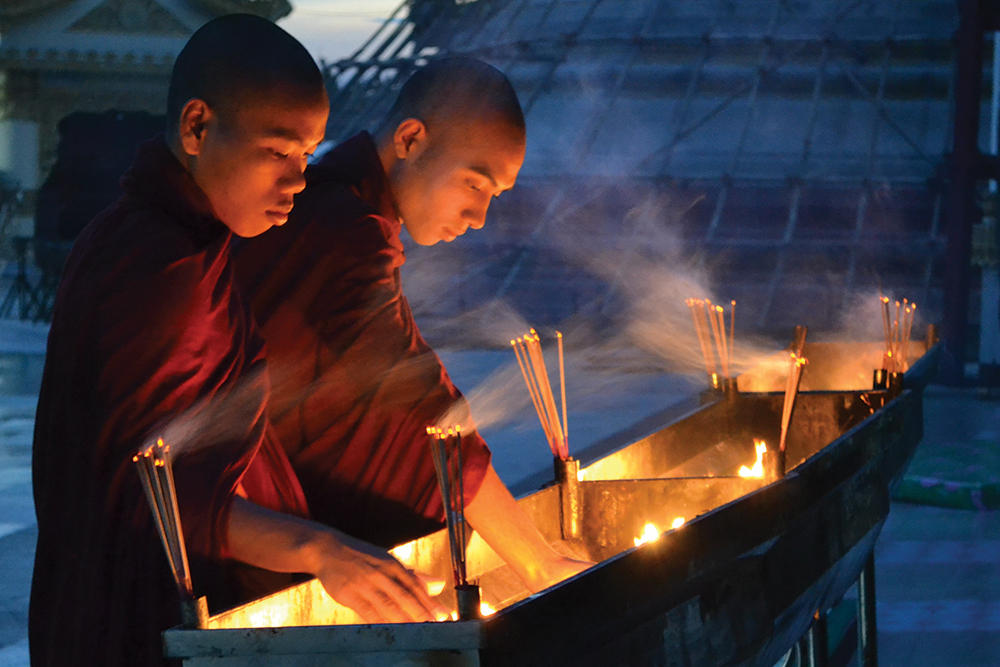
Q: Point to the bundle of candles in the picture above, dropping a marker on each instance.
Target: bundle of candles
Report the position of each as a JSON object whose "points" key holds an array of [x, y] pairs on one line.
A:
{"points": [[157, 477], [528, 350], [710, 325], [446, 451], [897, 329]]}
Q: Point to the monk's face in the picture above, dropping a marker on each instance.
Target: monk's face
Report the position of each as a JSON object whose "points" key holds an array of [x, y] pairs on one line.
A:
{"points": [[445, 179], [250, 158]]}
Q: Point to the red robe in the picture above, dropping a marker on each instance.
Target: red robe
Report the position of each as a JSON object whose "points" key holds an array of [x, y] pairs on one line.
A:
{"points": [[355, 384], [148, 326]]}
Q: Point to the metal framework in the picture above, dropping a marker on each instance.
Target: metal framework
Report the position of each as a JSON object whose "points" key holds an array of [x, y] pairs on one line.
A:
{"points": [[794, 137]]}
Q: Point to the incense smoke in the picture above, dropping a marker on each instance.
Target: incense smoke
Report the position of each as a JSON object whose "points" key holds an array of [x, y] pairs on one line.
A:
{"points": [[652, 274], [226, 417]]}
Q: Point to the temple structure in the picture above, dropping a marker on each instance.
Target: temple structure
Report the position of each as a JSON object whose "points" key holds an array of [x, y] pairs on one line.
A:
{"points": [[59, 57], [793, 152]]}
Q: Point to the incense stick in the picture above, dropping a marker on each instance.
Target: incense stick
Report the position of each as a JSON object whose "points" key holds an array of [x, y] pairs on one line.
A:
{"points": [[732, 327], [562, 389], [906, 334], [446, 452], [714, 332], [791, 391], [543, 391], [528, 350], [706, 349], [897, 334], [548, 394], [156, 475], [532, 391]]}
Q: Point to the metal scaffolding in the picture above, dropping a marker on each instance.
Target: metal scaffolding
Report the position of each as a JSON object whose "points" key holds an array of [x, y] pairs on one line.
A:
{"points": [[802, 142]]}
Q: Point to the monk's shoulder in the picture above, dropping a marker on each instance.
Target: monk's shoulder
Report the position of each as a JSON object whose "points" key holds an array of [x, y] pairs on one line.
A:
{"points": [[126, 233], [331, 212], [139, 254]]}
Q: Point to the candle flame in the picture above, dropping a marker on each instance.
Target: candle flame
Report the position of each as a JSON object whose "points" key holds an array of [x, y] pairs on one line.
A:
{"points": [[649, 534], [758, 468], [486, 610]]}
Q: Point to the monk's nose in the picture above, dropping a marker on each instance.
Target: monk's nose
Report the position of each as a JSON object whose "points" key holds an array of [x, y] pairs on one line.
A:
{"points": [[475, 217], [294, 180]]}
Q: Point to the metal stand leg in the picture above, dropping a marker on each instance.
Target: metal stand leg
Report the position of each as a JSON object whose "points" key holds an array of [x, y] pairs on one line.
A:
{"points": [[867, 630], [819, 651]]}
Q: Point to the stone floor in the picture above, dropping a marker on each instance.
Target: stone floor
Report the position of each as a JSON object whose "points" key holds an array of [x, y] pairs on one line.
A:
{"points": [[938, 589]]}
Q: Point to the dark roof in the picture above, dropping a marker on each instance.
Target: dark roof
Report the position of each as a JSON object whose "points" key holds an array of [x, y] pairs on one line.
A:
{"points": [[795, 147], [269, 9]]}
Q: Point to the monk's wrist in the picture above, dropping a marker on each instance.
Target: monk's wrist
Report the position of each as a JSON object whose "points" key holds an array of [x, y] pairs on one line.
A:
{"points": [[315, 549]]}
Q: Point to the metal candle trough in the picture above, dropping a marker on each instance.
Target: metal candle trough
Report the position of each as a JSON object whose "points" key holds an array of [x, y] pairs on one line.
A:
{"points": [[738, 584]]}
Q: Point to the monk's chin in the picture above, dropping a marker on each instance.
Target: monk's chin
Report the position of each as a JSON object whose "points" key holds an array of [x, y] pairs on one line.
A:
{"points": [[250, 230]]}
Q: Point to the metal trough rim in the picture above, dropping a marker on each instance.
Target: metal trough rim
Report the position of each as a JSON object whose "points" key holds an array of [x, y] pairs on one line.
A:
{"points": [[851, 456]]}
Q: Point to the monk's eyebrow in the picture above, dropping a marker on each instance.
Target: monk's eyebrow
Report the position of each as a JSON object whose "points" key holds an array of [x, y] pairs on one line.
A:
{"points": [[485, 173], [284, 133]]}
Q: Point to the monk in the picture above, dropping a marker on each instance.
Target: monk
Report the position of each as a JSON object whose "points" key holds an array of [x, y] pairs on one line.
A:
{"points": [[151, 336], [355, 384]]}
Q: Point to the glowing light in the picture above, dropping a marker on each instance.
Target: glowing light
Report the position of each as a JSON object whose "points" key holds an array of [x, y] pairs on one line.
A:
{"points": [[403, 552], [274, 616], [677, 523], [758, 468], [649, 534], [484, 611]]}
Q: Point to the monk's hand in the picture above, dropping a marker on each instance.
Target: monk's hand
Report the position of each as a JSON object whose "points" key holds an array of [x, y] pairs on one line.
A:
{"points": [[370, 581]]}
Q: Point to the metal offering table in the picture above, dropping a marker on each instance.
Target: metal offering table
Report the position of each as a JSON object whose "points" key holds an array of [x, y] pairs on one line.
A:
{"points": [[753, 569]]}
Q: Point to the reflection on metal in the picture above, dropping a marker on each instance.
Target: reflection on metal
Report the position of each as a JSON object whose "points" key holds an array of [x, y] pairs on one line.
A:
{"points": [[740, 583], [867, 628], [835, 367], [568, 479]]}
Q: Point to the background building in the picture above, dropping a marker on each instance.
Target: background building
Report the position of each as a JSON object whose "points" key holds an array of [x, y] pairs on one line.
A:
{"points": [[797, 151], [61, 57]]}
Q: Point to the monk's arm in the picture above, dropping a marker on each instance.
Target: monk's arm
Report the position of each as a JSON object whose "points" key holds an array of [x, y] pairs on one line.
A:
{"points": [[355, 574], [506, 527]]}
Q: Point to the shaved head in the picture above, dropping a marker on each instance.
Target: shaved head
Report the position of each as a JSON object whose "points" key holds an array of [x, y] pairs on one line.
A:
{"points": [[246, 108], [240, 59], [453, 141], [455, 91]]}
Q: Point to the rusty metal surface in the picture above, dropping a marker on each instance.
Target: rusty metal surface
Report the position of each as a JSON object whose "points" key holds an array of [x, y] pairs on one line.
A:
{"points": [[738, 584], [834, 367]]}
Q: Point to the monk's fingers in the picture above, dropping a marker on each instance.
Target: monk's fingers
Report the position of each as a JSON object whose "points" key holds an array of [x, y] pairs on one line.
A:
{"points": [[406, 579], [423, 587], [409, 597], [368, 612], [435, 585]]}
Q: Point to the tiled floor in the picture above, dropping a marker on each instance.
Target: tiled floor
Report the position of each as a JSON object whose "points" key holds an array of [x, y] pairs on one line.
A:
{"points": [[17, 527], [937, 582], [938, 588]]}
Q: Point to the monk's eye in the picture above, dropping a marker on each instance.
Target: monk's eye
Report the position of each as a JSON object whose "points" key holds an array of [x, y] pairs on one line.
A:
{"points": [[279, 155]]}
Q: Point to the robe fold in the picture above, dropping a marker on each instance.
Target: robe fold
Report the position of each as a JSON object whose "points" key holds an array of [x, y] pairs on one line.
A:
{"points": [[354, 383], [150, 337]]}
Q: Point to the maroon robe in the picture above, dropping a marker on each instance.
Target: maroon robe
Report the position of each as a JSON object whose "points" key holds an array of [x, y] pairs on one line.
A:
{"points": [[354, 383], [148, 327]]}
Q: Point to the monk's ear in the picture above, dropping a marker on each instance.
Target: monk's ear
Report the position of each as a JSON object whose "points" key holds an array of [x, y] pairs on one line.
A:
{"points": [[195, 117], [410, 138]]}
